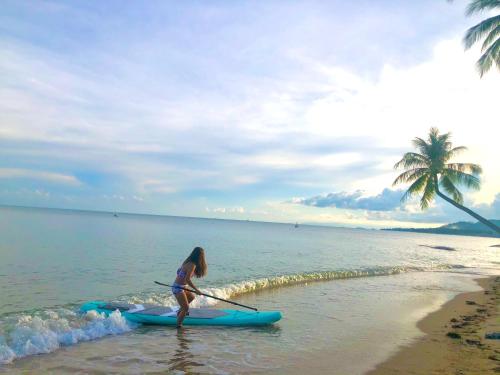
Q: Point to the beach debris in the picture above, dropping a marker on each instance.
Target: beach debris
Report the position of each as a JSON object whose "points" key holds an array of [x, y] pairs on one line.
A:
{"points": [[447, 248], [493, 336], [495, 245], [470, 302], [473, 342], [494, 357], [481, 310], [453, 320], [469, 318], [454, 335]]}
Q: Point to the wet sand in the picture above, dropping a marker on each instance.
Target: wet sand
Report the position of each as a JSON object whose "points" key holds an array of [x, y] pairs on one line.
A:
{"points": [[454, 341]]}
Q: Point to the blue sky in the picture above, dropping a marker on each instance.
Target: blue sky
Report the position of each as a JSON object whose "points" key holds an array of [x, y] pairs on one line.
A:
{"points": [[237, 109]]}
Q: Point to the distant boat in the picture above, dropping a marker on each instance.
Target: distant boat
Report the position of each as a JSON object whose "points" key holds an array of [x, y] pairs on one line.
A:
{"points": [[115, 215], [296, 225]]}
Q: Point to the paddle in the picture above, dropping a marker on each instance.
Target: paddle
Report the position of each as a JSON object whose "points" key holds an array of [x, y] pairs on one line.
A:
{"points": [[208, 295]]}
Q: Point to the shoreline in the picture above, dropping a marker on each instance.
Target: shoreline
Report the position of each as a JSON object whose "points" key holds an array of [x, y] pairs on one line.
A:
{"points": [[454, 340]]}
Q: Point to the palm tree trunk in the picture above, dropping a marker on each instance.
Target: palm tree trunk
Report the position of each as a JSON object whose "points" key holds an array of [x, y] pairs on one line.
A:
{"points": [[470, 212]]}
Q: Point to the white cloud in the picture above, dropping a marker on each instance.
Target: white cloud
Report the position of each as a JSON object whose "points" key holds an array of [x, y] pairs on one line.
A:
{"points": [[226, 210], [387, 200], [157, 186], [405, 102], [57, 178], [42, 193]]}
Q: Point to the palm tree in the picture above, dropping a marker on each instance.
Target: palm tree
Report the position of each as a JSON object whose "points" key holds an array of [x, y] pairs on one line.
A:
{"points": [[489, 29], [429, 171]]}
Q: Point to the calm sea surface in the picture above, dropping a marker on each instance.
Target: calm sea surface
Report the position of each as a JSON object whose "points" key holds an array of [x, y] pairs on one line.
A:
{"points": [[52, 260]]}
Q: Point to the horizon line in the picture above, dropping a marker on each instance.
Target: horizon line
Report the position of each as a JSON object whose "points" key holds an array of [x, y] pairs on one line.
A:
{"points": [[177, 216]]}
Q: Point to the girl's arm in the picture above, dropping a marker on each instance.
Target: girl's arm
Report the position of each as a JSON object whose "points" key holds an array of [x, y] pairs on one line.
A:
{"points": [[188, 278], [190, 283]]}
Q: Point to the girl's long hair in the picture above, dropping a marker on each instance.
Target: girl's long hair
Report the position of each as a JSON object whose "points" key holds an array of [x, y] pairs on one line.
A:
{"points": [[197, 257]]}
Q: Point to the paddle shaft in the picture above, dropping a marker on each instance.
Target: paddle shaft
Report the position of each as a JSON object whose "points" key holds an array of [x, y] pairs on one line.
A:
{"points": [[208, 295]]}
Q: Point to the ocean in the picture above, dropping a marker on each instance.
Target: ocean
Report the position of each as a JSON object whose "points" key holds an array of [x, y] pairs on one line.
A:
{"points": [[344, 293]]}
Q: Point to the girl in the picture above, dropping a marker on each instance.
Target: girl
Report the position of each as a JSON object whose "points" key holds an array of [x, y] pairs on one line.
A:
{"points": [[194, 264]]}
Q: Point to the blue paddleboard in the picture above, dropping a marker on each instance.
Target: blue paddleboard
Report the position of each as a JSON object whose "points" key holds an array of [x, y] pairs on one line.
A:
{"points": [[164, 315]]}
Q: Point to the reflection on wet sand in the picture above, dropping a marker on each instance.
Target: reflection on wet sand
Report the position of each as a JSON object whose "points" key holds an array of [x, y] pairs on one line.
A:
{"points": [[183, 359]]}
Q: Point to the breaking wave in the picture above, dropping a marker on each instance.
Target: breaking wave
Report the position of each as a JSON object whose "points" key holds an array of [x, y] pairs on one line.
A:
{"points": [[47, 331], [249, 286]]}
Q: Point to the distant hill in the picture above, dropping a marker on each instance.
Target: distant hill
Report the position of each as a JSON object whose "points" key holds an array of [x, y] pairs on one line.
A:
{"points": [[461, 228]]}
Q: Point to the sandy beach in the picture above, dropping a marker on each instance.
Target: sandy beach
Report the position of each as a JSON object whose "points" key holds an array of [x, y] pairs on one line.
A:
{"points": [[454, 341]]}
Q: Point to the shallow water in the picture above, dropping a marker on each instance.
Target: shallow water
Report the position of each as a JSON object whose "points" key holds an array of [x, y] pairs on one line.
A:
{"points": [[349, 319], [54, 260]]}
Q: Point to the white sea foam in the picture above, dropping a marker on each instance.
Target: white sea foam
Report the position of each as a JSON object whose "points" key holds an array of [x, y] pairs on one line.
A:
{"points": [[249, 286], [7, 355], [33, 334]]}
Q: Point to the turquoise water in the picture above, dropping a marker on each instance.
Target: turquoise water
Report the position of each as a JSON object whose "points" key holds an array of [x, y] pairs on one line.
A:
{"points": [[53, 260]]}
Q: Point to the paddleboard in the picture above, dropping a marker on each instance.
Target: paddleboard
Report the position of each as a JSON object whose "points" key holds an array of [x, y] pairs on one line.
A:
{"points": [[164, 315]]}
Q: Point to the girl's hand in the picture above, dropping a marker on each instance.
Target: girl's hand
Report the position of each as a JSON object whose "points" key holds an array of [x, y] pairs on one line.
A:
{"points": [[190, 283]]}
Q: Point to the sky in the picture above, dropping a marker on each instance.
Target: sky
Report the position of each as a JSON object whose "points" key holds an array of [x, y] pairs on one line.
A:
{"points": [[287, 111]]}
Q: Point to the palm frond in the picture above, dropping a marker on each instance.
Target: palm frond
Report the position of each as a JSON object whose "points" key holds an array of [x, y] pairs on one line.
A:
{"points": [[474, 169], [444, 138], [412, 160], [422, 146], [429, 192], [415, 188], [410, 176], [480, 30], [492, 36], [447, 145], [461, 178], [452, 152], [477, 6], [433, 132], [435, 137], [451, 189], [439, 145], [490, 56]]}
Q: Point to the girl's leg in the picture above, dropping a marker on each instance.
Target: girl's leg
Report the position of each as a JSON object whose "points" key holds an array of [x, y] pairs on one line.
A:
{"points": [[190, 296], [184, 304]]}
